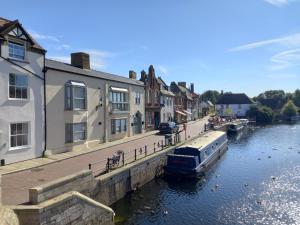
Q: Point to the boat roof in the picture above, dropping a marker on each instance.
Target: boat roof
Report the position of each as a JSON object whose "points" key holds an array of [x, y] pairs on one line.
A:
{"points": [[205, 140]]}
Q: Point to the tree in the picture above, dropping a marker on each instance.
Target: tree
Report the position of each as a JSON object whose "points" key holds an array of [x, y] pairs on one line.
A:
{"points": [[210, 95], [262, 114], [296, 97], [274, 99], [289, 109]]}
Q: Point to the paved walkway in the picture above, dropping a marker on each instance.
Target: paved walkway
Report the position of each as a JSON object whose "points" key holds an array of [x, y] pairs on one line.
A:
{"points": [[19, 177]]}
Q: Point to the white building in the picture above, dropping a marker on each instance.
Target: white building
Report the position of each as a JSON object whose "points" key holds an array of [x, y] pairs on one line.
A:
{"points": [[166, 102], [235, 105], [86, 108], [21, 94]]}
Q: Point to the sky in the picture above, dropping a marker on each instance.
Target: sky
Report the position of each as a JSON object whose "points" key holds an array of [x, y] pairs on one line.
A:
{"points": [[233, 45]]}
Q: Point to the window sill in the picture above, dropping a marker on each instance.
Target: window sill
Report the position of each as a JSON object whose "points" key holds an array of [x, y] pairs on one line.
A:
{"points": [[19, 99], [20, 148], [76, 110], [18, 60], [75, 142]]}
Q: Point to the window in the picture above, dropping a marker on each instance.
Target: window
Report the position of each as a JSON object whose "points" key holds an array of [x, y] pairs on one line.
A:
{"points": [[75, 132], [119, 101], [75, 96], [16, 51], [18, 86], [137, 98], [118, 126], [240, 106], [18, 135]]}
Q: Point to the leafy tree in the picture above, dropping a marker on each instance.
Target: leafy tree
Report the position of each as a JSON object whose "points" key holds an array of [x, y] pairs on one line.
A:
{"points": [[210, 95], [296, 97], [274, 99], [228, 112], [289, 109], [262, 114]]}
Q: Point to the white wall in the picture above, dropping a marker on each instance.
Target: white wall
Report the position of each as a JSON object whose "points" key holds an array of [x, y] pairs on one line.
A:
{"points": [[166, 109], [30, 110], [238, 110]]}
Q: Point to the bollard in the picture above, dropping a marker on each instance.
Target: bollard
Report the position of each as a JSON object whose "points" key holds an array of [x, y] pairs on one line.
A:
{"points": [[154, 146], [145, 150], [123, 158], [141, 151], [162, 144], [107, 165], [134, 154], [90, 166]]}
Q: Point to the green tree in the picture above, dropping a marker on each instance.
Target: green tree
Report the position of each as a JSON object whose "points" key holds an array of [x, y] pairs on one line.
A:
{"points": [[228, 112], [289, 109], [276, 99], [296, 97], [261, 114], [210, 95]]}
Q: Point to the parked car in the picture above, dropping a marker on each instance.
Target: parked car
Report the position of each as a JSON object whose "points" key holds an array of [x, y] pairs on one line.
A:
{"points": [[168, 128]]}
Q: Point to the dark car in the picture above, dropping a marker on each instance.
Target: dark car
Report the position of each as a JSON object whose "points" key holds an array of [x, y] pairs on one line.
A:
{"points": [[168, 128]]}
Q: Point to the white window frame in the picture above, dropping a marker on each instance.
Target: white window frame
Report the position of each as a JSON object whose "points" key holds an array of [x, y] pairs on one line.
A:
{"points": [[72, 138], [28, 136], [137, 98], [123, 127], [71, 86], [15, 86], [119, 100], [14, 55]]}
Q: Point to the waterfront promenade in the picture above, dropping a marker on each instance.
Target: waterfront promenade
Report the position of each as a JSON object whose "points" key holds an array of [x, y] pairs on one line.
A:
{"points": [[18, 178]]}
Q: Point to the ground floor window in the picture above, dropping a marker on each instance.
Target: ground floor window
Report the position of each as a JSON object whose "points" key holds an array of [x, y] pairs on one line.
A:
{"points": [[75, 132], [118, 126], [18, 135], [150, 122]]}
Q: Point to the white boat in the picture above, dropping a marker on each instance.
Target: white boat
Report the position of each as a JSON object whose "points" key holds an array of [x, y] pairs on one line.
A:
{"points": [[235, 127]]}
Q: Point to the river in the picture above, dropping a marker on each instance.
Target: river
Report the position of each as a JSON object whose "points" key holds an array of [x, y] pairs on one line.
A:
{"points": [[257, 181]]}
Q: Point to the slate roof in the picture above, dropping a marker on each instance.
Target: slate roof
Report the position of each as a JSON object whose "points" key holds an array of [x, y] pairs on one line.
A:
{"points": [[60, 66], [165, 92], [7, 25], [234, 99]]}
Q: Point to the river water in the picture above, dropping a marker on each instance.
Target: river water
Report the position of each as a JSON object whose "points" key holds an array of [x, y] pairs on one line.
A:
{"points": [[257, 181]]}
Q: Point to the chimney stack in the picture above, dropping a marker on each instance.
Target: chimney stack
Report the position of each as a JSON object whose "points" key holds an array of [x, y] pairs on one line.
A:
{"points": [[132, 74], [182, 84], [80, 60], [222, 92], [192, 87], [143, 75]]}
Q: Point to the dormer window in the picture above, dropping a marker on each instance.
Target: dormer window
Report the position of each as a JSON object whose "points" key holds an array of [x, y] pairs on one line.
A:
{"points": [[16, 51]]}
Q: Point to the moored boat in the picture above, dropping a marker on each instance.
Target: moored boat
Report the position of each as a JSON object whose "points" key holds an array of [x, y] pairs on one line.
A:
{"points": [[235, 127], [194, 159]]}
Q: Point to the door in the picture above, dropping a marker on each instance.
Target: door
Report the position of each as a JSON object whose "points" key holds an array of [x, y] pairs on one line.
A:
{"points": [[156, 119], [138, 123]]}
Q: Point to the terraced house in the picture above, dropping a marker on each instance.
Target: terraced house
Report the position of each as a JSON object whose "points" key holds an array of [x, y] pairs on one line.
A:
{"points": [[21, 94], [86, 107]]}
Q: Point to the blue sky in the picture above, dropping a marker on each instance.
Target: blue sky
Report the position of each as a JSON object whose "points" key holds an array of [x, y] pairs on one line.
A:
{"points": [[234, 45]]}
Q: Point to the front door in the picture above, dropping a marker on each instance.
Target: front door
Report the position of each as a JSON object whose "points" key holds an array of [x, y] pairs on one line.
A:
{"points": [[156, 119], [138, 123]]}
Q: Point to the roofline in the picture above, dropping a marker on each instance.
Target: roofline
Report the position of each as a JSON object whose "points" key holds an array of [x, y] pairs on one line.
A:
{"points": [[87, 75]]}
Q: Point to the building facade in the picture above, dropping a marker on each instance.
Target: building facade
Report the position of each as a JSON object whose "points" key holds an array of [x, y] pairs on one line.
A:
{"points": [[22, 115], [152, 99], [183, 102], [86, 107], [166, 102], [234, 105]]}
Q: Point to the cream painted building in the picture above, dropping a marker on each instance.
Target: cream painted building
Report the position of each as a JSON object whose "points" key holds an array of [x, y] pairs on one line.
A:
{"points": [[86, 107], [21, 94]]}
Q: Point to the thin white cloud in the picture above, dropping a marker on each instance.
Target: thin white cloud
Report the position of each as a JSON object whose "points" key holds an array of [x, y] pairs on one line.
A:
{"points": [[163, 69], [279, 3], [286, 41], [285, 59], [39, 36]]}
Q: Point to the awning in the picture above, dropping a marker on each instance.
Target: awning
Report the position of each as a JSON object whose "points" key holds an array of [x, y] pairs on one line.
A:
{"points": [[187, 112], [76, 83], [181, 113], [119, 89]]}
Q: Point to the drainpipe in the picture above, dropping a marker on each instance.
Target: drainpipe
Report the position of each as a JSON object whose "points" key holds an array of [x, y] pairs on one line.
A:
{"points": [[45, 108]]}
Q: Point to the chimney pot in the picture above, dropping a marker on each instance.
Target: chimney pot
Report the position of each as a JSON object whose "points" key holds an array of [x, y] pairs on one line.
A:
{"points": [[80, 60], [132, 74]]}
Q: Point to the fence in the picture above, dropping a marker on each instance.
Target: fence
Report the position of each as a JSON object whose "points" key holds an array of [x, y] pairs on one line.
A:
{"points": [[121, 158]]}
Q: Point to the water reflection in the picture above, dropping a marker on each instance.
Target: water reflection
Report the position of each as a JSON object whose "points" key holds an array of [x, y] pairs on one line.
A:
{"points": [[257, 181]]}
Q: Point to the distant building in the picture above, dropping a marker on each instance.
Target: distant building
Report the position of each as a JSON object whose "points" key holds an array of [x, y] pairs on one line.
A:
{"points": [[152, 98], [235, 105], [22, 117], [166, 102], [183, 102], [206, 107], [196, 110]]}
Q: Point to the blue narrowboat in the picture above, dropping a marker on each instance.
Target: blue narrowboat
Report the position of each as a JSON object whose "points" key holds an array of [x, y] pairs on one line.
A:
{"points": [[195, 158]]}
